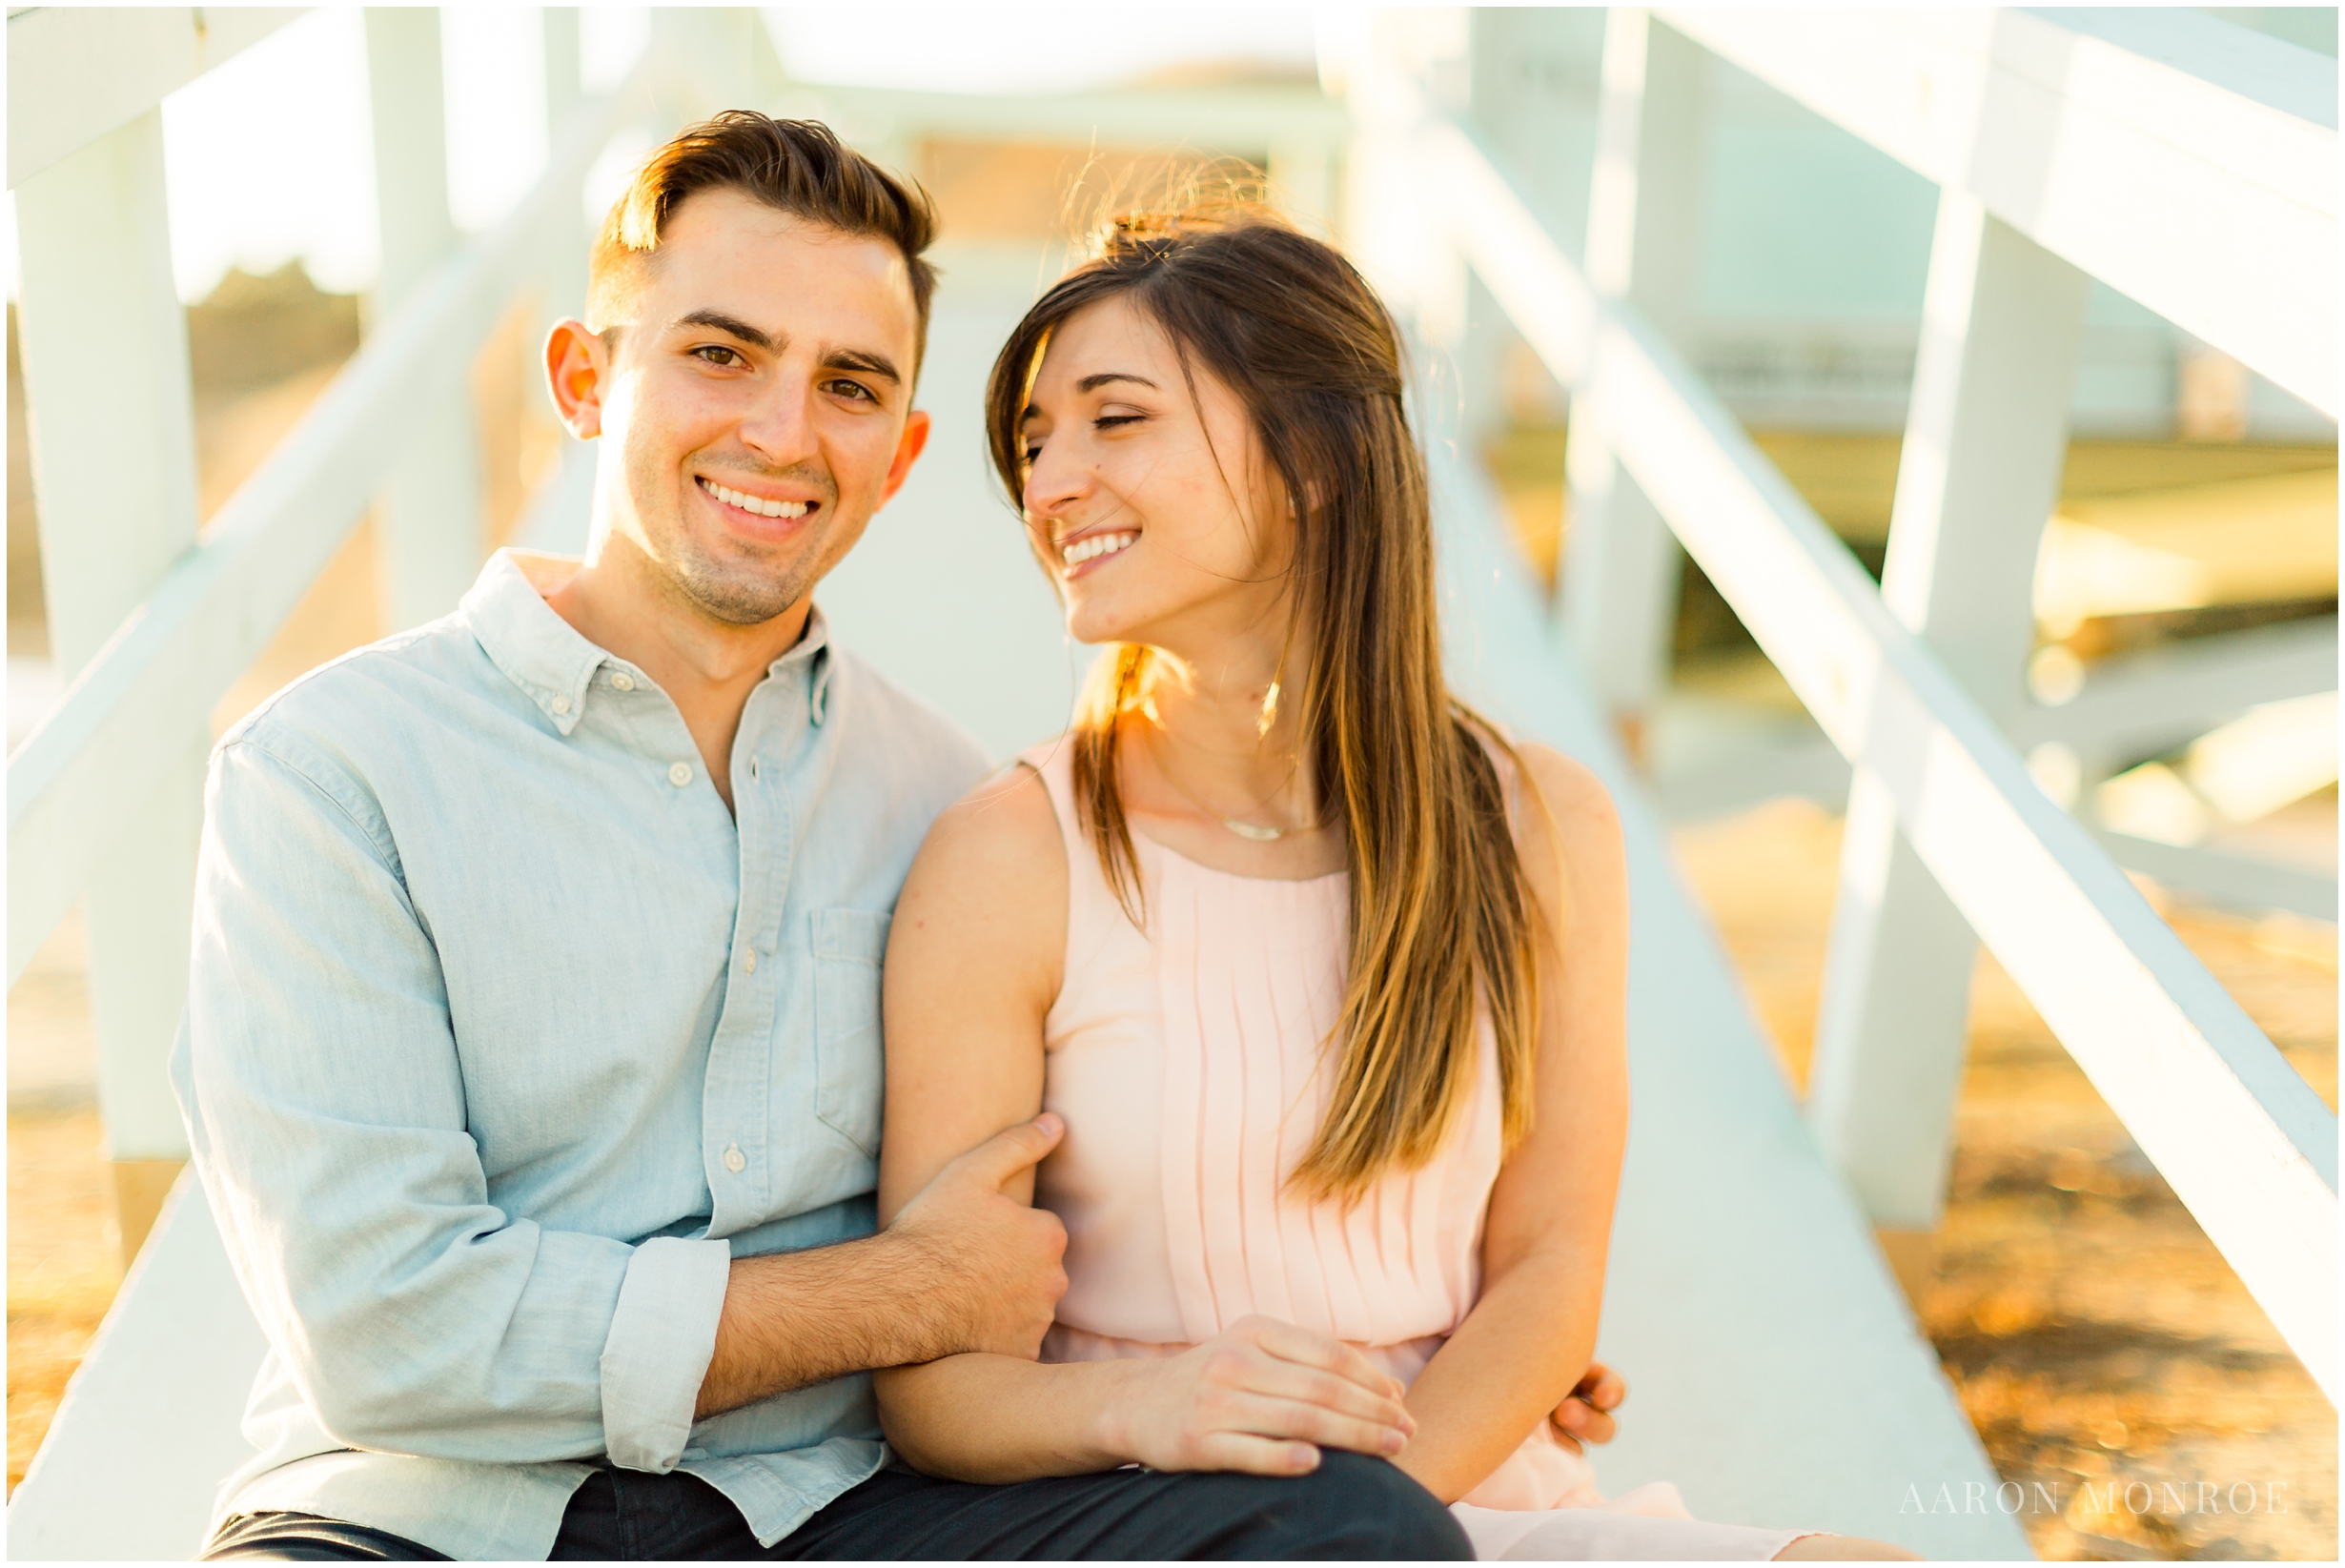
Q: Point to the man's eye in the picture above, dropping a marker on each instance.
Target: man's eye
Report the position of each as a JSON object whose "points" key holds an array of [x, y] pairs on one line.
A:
{"points": [[852, 389], [717, 354]]}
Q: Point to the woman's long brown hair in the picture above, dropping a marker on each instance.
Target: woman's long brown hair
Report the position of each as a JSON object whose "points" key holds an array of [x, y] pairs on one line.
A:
{"points": [[1441, 921]]}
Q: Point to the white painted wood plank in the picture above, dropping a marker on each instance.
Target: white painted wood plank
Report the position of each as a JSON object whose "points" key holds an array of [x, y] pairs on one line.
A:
{"points": [[152, 1422], [2185, 161], [1779, 1378], [76, 72], [2241, 882], [104, 344], [2145, 703], [1622, 571], [2246, 1144], [429, 533]]}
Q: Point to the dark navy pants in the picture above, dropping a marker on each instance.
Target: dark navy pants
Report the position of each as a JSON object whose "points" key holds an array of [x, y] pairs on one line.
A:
{"points": [[1351, 1509]]}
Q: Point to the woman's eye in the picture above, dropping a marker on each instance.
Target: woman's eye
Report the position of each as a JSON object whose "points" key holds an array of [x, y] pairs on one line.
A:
{"points": [[1109, 422], [1034, 455]]}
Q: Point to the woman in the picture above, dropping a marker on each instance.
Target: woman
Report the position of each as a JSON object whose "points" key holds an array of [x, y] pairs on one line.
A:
{"points": [[1325, 976]]}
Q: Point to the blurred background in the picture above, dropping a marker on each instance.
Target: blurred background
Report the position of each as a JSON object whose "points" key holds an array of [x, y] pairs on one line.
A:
{"points": [[2090, 1328]]}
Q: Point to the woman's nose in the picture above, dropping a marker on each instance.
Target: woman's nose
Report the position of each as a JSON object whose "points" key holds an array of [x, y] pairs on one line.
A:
{"points": [[1052, 485]]}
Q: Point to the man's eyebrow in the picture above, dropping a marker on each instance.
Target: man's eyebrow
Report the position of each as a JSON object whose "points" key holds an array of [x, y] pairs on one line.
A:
{"points": [[867, 364], [731, 326]]}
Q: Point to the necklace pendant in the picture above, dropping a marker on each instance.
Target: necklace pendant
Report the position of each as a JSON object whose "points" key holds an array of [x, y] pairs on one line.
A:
{"points": [[1252, 830]]}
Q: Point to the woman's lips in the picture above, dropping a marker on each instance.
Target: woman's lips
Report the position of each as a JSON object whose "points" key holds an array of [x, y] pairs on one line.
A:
{"points": [[1092, 549]]}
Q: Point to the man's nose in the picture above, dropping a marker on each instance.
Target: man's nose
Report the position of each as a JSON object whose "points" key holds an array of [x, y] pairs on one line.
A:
{"points": [[780, 426]]}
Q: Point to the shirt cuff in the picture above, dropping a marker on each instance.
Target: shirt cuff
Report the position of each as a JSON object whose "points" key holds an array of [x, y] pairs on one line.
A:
{"points": [[662, 1336]]}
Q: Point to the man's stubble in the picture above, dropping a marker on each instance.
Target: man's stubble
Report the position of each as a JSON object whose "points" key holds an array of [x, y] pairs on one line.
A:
{"points": [[744, 585]]}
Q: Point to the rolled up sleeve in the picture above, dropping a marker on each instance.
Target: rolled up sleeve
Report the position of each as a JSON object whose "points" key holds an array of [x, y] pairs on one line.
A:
{"points": [[662, 1336], [325, 1100]]}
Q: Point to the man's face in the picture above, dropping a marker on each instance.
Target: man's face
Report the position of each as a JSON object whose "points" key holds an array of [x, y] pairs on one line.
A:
{"points": [[755, 404]]}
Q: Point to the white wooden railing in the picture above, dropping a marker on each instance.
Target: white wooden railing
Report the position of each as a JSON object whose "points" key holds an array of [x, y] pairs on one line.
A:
{"points": [[2192, 165]]}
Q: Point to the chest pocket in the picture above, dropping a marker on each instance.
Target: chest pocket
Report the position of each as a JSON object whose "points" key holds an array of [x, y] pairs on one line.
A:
{"points": [[849, 945]]}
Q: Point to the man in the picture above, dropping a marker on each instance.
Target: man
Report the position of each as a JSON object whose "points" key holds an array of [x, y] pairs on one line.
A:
{"points": [[532, 1055]]}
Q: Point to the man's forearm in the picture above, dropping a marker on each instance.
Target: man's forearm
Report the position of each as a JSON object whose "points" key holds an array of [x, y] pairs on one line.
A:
{"points": [[795, 1319]]}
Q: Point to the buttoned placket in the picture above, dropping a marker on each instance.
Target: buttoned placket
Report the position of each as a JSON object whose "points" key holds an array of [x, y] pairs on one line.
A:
{"points": [[736, 1115]]}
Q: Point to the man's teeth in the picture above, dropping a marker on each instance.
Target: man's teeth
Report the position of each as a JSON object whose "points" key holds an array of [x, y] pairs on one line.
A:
{"points": [[1098, 544], [752, 503]]}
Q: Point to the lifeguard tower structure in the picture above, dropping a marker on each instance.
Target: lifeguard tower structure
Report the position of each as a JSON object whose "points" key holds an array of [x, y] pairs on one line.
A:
{"points": [[1781, 1379]]}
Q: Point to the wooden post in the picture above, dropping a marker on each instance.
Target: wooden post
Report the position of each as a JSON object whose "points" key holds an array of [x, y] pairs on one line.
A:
{"points": [[431, 533], [1621, 571], [112, 439], [1986, 439]]}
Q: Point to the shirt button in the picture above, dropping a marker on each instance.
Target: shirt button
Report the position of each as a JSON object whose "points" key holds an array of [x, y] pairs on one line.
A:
{"points": [[561, 706], [623, 682], [680, 775], [735, 1160], [750, 963]]}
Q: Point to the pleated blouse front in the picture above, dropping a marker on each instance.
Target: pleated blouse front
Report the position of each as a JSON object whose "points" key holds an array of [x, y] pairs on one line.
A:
{"points": [[1191, 1063]]}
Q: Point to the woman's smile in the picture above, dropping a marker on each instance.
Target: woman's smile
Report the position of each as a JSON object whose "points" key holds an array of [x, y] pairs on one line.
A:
{"points": [[1086, 553]]}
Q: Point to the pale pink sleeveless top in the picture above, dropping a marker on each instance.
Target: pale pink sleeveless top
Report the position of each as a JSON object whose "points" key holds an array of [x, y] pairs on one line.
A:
{"points": [[1191, 1063]]}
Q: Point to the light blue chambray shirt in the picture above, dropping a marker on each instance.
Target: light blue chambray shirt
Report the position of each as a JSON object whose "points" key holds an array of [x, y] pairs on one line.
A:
{"points": [[504, 1037]]}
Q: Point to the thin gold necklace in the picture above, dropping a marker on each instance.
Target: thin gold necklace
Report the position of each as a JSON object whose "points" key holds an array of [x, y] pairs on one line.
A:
{"points": [[1254, 831]]}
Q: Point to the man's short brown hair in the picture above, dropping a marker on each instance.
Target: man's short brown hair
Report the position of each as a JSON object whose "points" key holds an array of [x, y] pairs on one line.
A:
{"points": [[798, 167]]}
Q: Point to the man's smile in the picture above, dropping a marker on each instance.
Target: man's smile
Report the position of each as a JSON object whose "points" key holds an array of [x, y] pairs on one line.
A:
{"points": [[757, 503], [768, 519]]}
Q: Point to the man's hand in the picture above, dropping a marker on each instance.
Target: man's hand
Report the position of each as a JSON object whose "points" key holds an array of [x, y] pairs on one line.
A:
{"points": [[993, 1263], [1586, 1414], [963, 1267]]}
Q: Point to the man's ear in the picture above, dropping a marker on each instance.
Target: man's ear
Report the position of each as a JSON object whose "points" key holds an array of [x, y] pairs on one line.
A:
{"points": [[576, 370], [908, 447]]}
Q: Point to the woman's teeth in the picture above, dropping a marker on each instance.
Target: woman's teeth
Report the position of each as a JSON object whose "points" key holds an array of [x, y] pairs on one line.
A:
{"points": [[752, 503], [1098, 544]]}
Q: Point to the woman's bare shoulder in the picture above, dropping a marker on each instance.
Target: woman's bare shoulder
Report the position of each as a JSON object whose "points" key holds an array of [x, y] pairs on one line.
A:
{"points": [[1580, 826], [1005, 824], [984, 911], [1567, 784]]}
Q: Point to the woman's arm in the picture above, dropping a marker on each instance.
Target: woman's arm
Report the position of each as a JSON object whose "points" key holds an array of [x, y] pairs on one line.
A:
{"points": [[974, 965], [1530, 1336]]}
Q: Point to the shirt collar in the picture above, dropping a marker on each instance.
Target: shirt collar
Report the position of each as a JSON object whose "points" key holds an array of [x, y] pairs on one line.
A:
{"points": [[555, 667]]}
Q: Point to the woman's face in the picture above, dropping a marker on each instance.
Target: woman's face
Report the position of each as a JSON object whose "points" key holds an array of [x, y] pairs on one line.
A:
{"points": [[1151, 505]]}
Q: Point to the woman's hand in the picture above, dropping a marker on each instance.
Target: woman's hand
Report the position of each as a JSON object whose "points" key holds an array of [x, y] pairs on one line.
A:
{"points": [[1586, 1414], [1263, 1398]]}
